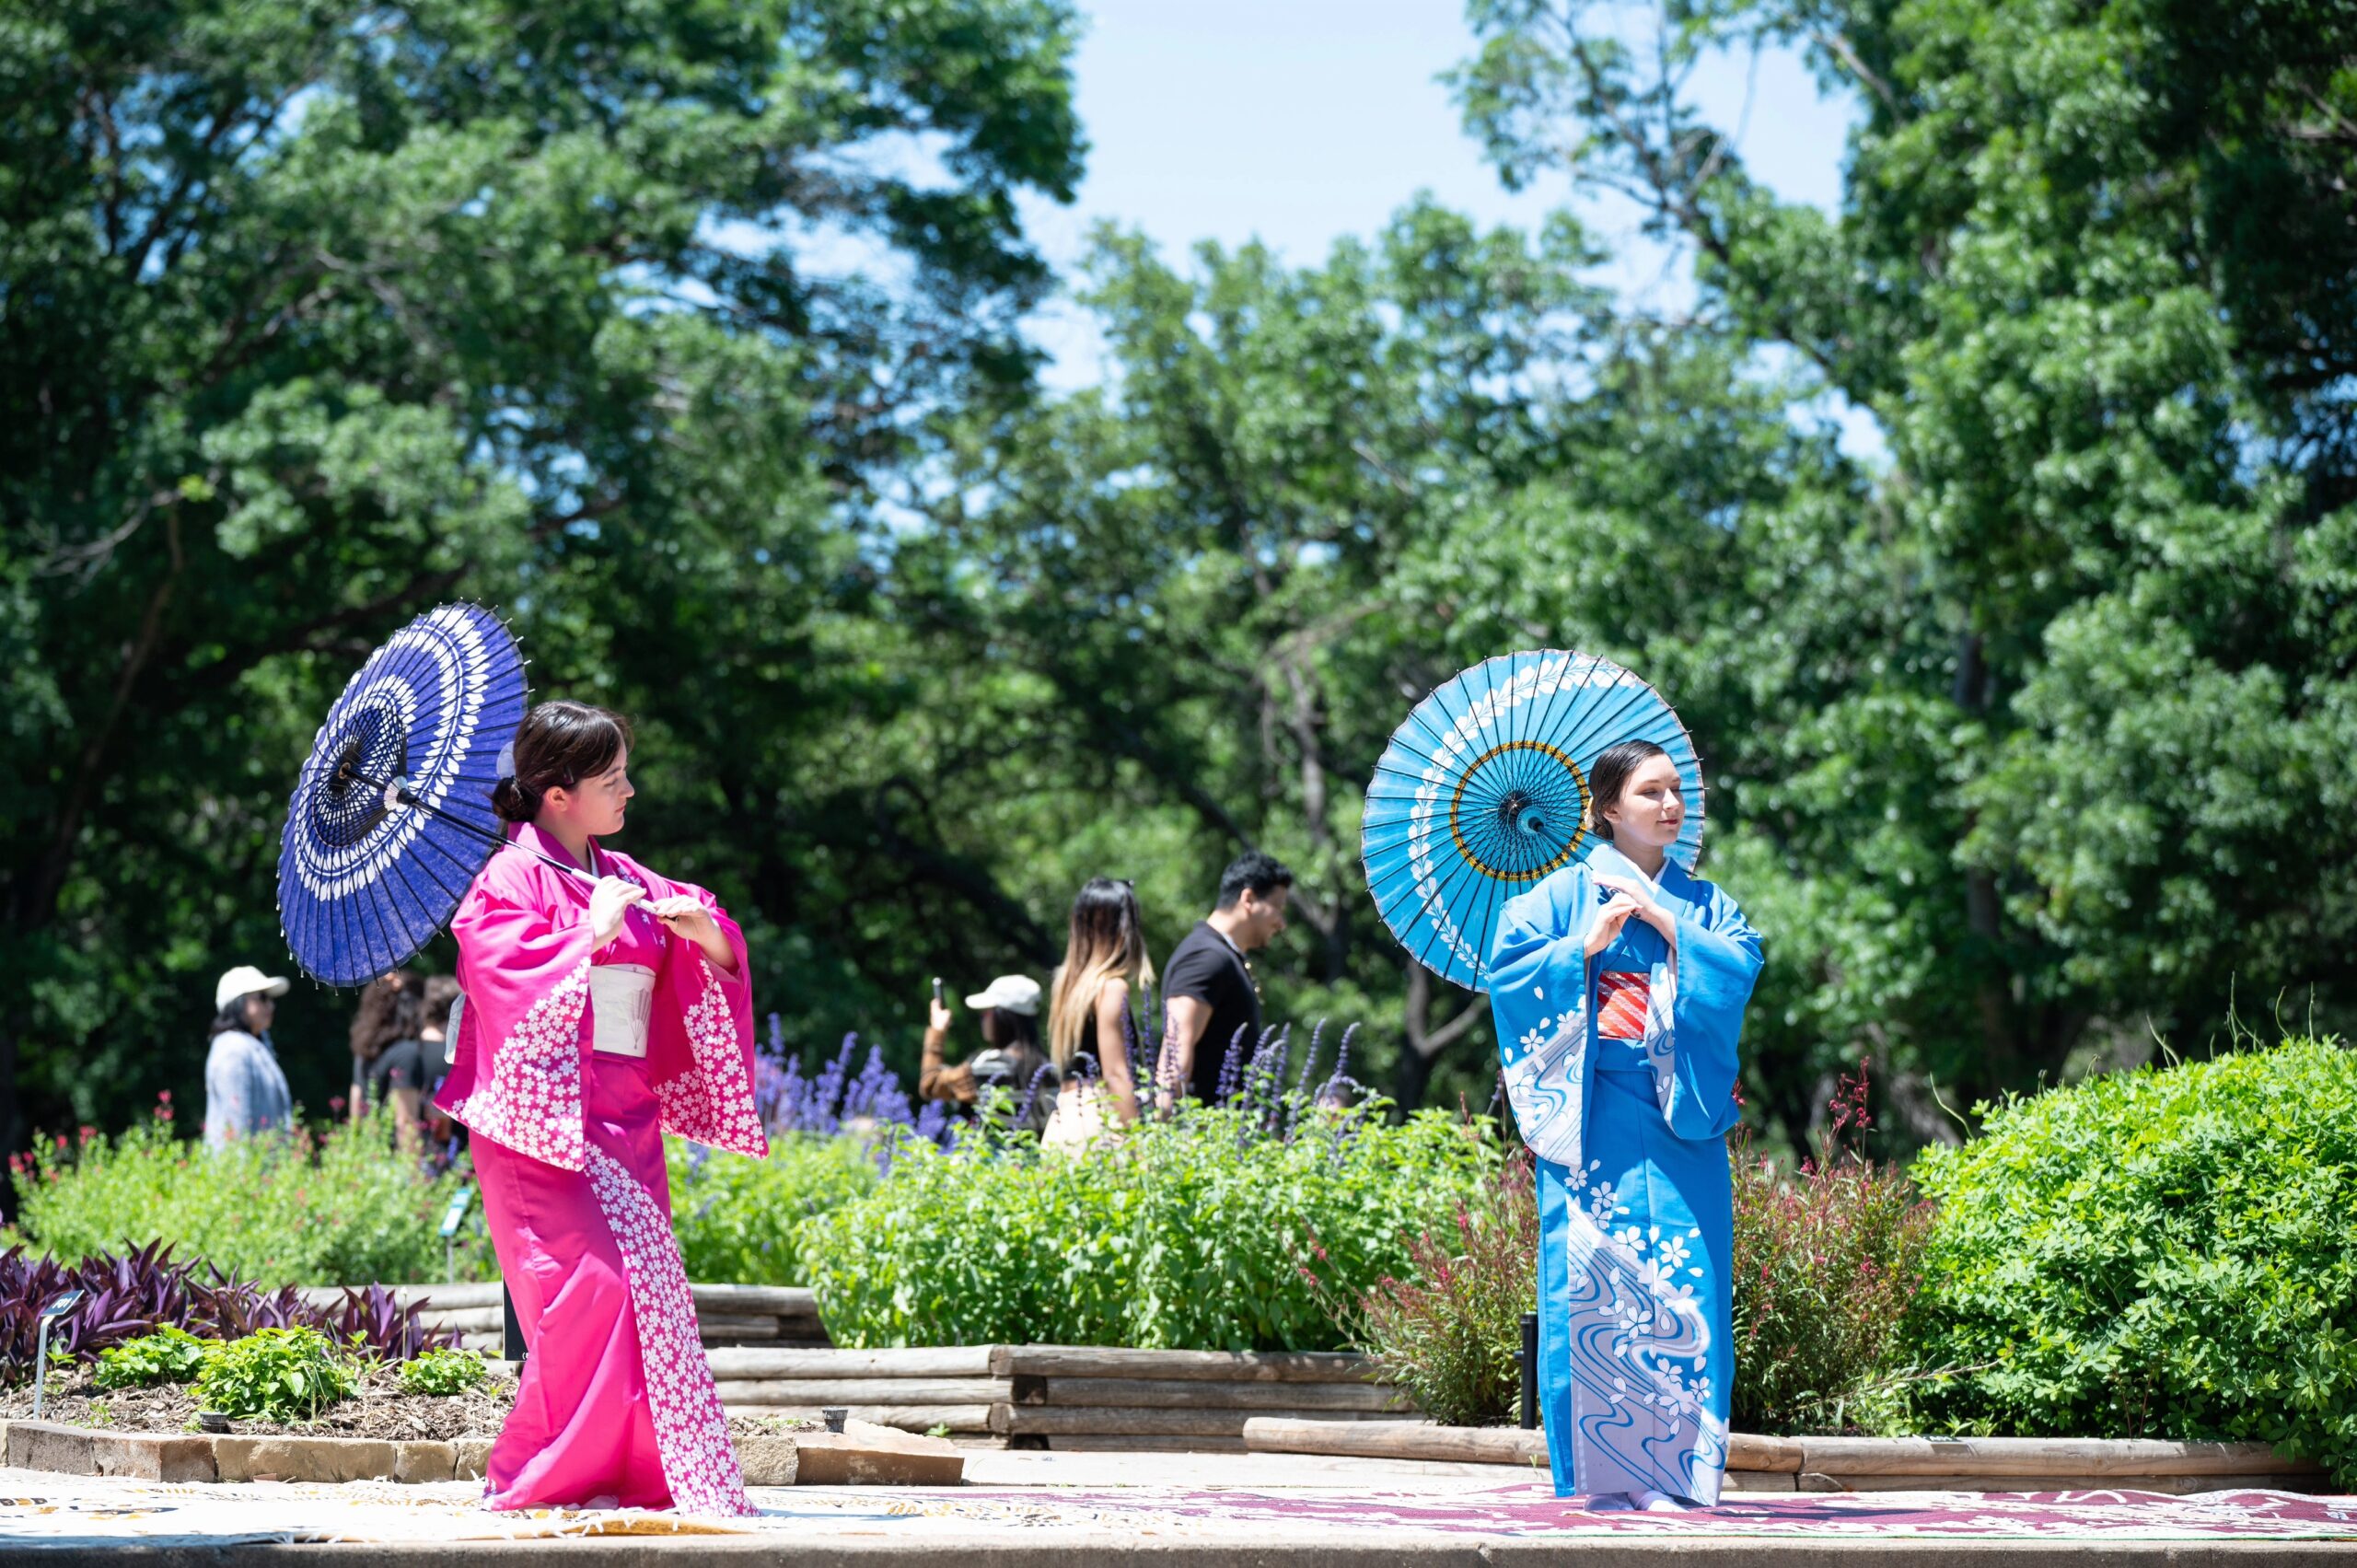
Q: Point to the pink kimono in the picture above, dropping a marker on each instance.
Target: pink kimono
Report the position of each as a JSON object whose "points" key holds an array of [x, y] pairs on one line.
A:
{"points": [[617, 1402]]}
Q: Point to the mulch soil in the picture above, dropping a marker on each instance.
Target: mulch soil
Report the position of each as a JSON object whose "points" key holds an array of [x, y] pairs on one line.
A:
{"points": [[382, 1409]]}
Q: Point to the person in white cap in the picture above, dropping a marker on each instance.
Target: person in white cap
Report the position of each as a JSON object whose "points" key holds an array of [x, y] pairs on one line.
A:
{"points": [[245, 1092], [1007, 1012]]}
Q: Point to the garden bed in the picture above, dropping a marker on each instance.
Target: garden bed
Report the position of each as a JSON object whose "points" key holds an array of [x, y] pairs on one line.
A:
{"points": [[382, 1411]]}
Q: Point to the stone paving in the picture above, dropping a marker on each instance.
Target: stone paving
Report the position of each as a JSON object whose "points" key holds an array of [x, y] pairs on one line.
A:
{"points": [[1298, 1510]]}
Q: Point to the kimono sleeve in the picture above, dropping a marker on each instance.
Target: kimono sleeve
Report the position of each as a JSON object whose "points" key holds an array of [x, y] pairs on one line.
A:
{"points": [[1539, 991], [706, 1091], [525, 974], [1716, 965]]}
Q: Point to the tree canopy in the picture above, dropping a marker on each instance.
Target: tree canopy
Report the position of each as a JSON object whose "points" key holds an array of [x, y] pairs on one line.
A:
{"points": [[316, 314], [2091, 273], [691, 338]]}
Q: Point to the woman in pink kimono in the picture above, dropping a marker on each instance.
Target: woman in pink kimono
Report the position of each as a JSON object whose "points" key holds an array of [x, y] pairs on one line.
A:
{"points": [[595, 1022]]}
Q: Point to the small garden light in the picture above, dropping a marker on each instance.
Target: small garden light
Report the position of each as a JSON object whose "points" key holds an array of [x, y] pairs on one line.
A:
{"points": [[48, 1319], [452, 1218], [1527, 1361]]}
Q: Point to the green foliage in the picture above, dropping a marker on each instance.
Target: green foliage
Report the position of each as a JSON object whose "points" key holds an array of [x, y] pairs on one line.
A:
{"points": [[2161, 1253], [1186, 1233], [1447, 1333], [168, 1355], [343, 1207], [321, 313], [2041, 725], [443, 1372], [738, 1220], [2029, 725], [276, 1374], [1827, 1259]]}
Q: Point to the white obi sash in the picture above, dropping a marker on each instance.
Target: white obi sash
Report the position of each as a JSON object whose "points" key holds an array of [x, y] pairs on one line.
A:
{"points": [[621, 1000]]}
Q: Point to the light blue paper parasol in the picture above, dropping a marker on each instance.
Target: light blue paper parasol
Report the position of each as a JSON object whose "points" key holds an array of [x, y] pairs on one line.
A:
{"points": [[1480, 794], [392, 817]]}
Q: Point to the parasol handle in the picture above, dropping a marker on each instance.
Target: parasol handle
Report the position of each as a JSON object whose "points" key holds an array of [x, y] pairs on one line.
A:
{"points": [[397, 792]]}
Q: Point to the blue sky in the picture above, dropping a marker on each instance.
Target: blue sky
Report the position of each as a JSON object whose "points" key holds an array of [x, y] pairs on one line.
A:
{"points": [[1298, 121]]}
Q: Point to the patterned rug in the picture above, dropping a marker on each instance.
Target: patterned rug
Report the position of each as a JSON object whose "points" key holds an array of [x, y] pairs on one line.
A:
{"points": [[39, 1506], [1526, 1512]]}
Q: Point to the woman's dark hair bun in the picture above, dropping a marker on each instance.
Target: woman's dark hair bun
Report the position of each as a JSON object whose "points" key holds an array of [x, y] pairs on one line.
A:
{"points": [[557, 746], [513, 802]]}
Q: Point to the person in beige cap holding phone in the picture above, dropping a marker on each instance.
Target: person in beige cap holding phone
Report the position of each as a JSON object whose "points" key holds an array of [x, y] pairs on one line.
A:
{"points": [[245, 1092], [1009, 1013]]}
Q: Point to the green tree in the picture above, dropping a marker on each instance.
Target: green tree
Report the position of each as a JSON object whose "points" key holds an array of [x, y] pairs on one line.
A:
{"points": [[1305, 497], [316, 314], [2086, 769]]}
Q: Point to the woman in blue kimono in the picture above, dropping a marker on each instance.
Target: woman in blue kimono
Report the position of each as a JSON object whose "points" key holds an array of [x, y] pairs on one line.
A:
{"points": [[1618, 985]]}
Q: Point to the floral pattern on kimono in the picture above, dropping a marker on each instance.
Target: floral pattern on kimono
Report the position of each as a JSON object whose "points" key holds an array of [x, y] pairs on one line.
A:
{"points": [[521, 1080], [1636, 1363]]}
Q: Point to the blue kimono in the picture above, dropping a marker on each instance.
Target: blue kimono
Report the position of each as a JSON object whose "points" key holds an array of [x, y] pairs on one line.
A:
{"points": [[1621, 1070]]}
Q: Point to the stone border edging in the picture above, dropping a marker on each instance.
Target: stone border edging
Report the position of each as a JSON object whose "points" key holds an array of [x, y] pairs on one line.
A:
{"points": [[1847, 1464], [862, 1454], [204, 1457]]}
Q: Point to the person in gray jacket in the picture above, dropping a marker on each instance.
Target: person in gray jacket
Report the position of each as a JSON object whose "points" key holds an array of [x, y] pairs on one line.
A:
{"points": [[245, 1091]]}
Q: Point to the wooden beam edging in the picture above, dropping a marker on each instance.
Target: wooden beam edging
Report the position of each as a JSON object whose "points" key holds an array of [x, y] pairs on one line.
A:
{"points": [[1926, 1459], [2076, 1456], [815, 1364], [1206, 1366], [769, 1301]]}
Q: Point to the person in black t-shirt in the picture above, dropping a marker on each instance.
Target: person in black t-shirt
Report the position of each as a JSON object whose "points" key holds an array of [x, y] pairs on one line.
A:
{"points": [[1210, 995], [407, 1072]]}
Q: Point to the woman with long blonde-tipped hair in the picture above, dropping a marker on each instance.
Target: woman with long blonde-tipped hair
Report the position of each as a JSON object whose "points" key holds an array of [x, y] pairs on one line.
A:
{"points": [[1092, 1011]]}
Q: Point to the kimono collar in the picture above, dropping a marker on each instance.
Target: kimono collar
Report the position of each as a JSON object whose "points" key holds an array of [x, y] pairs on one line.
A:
{"points": [[531, 836], [1607, 858]]}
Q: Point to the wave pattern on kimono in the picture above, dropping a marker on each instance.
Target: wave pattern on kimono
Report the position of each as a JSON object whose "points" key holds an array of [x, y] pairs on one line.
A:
{"points": [[1621, 1073], [617, 1401]]}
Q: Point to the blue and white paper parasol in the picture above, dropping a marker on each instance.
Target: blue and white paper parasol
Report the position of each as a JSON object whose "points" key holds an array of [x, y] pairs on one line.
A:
{"points": [[392, 817], [1481, 792]]}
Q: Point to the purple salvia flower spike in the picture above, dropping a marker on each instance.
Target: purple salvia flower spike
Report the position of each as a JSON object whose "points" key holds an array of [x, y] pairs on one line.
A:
{"points": [[1230, 1065]]}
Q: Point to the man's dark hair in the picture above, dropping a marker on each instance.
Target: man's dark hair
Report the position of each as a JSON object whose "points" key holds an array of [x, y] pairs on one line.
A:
{"points": [[1261, 872]]}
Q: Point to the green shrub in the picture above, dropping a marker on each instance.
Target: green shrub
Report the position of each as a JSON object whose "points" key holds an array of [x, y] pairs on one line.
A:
{"points": [[2154, 1254], [168, 1355], [1448, 1330], [281, 1375], [343, 1208], [1185, 1233], [443, 1372], [1826, 1260], [737, 1218]]}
